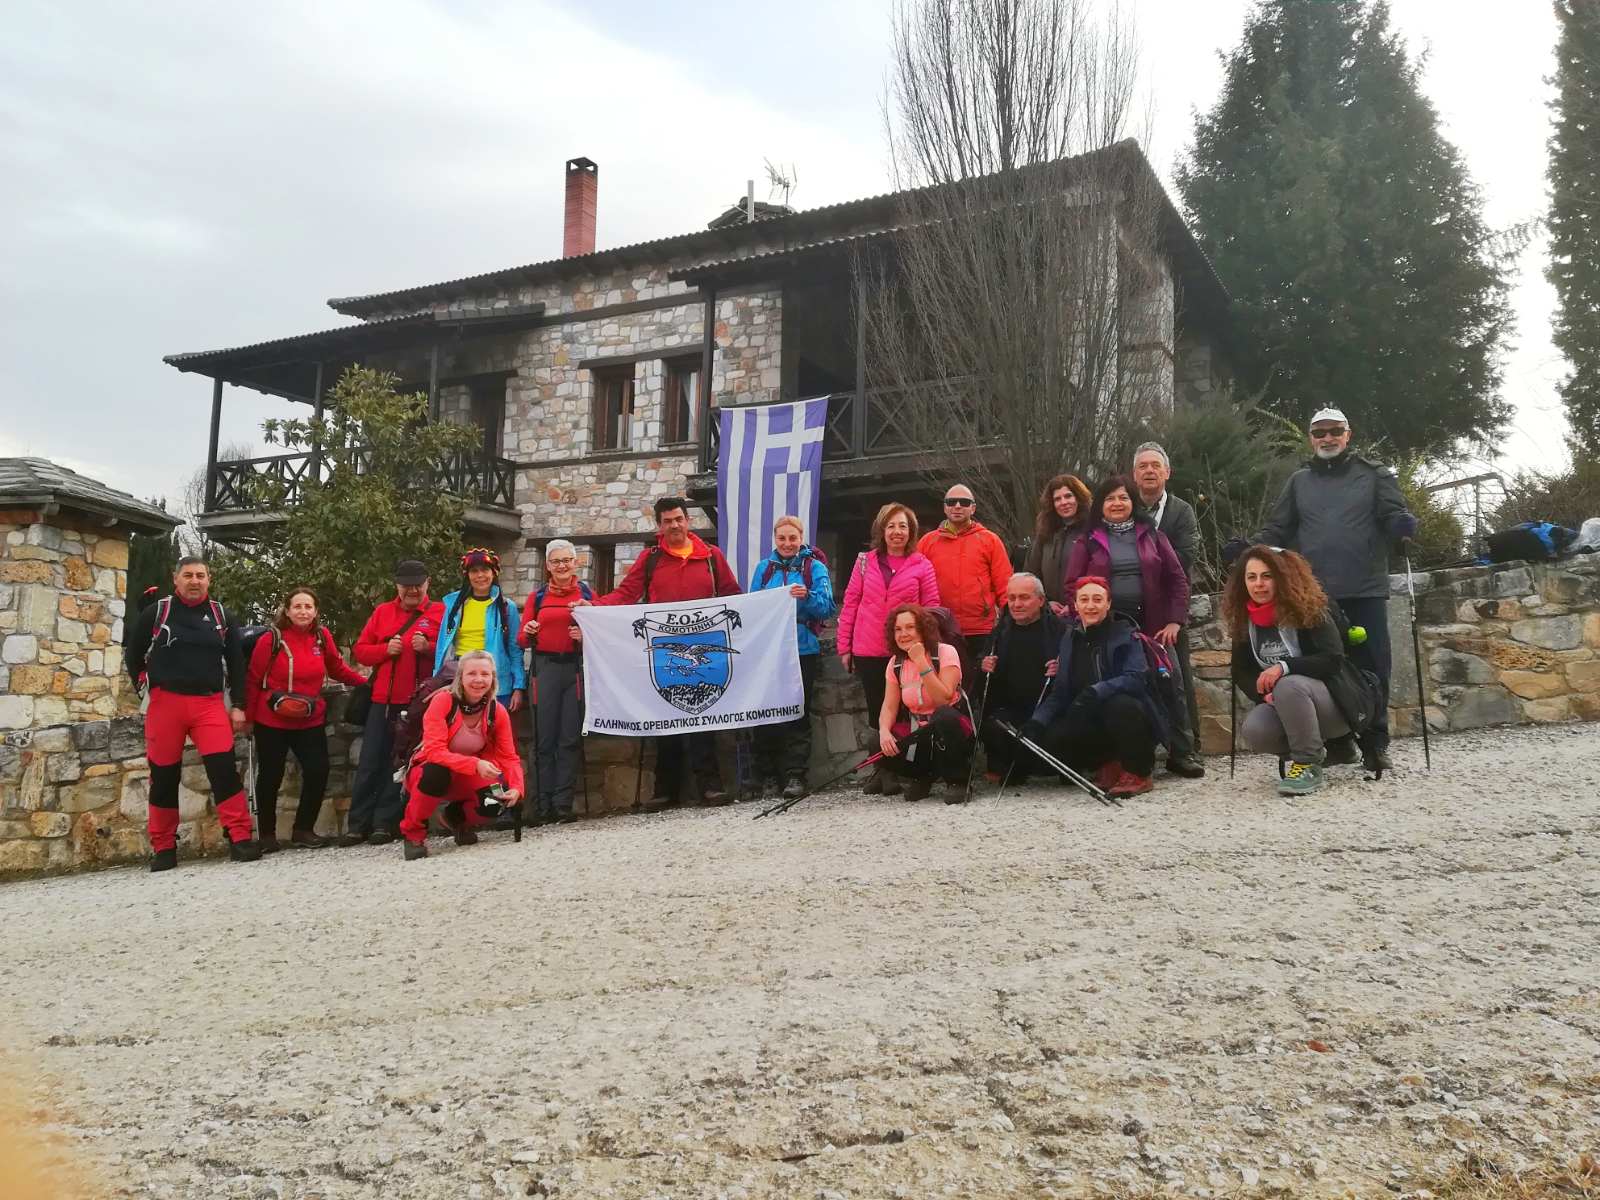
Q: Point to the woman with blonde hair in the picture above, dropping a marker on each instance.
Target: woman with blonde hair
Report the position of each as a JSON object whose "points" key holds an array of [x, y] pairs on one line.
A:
{"points": [[890, 573], [1063, 516], [1289, 657], [467, 757]]}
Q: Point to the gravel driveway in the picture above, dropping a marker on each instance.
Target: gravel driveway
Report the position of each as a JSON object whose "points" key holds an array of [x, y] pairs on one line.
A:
{"points": [[1209, 990]]}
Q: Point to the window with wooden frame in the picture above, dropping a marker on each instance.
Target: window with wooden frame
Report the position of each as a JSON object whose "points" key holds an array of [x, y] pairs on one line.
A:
{"points": [[680, 404], [613, 408], [602, 569]]}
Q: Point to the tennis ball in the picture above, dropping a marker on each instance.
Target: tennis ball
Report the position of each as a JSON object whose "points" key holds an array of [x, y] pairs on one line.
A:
{"points": [[1358, 634]]}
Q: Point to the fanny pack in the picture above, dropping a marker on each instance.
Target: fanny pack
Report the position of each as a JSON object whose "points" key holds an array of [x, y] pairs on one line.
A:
{"points": [[290, 705]]}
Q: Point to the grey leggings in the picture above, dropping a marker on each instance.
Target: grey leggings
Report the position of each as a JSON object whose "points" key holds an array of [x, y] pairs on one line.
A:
{"points": [[1301, 717]]}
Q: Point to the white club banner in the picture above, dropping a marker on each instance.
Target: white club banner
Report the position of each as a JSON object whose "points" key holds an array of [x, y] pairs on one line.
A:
{"points": [[727, 663]]}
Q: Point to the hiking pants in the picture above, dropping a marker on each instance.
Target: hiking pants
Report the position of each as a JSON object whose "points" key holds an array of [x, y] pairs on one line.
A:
{"points": [[1116, 731], [1003, 753], [1372, 614], [872, 673], [941, 747], [558, 720], [375, 798], [433, 784], [1300, 720], [701, 751], [171, 719], [310, 748], [783, 751]]}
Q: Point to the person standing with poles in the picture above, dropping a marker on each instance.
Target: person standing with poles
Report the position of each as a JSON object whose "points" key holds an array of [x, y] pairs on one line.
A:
{"points": [[1343, 512], [549, 630]]}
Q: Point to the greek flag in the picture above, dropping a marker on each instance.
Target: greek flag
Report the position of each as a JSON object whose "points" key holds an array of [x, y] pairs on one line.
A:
{"points": [[770, 463]]}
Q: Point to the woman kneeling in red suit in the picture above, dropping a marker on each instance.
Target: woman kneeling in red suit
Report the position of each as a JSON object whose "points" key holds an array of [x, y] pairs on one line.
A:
{"points": [[467, 756]]}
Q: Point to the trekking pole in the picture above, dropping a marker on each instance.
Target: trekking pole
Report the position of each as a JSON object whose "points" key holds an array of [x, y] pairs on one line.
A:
{"points": [[583, 755], [638, 775], [1233, 722], [1416, 652], [250, 791], [977, 735], [1061, 768], [786, 805]]}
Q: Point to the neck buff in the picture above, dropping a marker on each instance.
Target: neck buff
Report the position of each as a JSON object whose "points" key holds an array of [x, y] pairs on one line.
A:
{"points": [[1120, 526], [472, 709], [1264, 615]]}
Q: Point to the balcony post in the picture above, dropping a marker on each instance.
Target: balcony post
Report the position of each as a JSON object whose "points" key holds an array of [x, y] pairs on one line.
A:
{"points": [[316, 415], [211, 448], [433, 382], [708, 344], [858, 415]]}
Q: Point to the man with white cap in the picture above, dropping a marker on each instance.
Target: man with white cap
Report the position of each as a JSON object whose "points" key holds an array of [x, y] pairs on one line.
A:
{"points": [[1343, 513]]}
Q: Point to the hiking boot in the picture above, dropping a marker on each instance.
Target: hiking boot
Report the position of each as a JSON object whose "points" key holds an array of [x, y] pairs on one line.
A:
{"points": [[955, 791], [415, 850], [355, 837], [378, 837], [268, 845], [1300, 779], [795, 788], [715, 797], [1341, 752], [918, 789], [892, 784], [567, 818], [306, 839], [874, 784], [1128, 784], [1107, 774], [455, 820], [657, 803], [164, 860], [1375, 759], [244, 851], [1188, 766]]}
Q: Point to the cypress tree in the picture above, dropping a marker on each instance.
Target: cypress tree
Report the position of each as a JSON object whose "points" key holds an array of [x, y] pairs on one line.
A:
{"points": [[1348, 232], [1575, 213]]}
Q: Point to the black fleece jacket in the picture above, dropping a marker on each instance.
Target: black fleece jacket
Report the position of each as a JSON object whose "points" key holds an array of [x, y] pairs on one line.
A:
{"points": [[192, 656]]}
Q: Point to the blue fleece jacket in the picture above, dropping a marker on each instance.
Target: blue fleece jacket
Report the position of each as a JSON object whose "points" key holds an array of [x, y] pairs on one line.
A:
{"points": [[817, 604], [499, 639]]}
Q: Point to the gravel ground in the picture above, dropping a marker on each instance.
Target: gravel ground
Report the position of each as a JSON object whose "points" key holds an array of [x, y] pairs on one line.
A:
{"points": [[1207, 991]]}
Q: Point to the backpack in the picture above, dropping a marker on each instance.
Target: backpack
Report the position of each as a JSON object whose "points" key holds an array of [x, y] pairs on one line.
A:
{"points": [[408, 727], [1531, 541], [804, 569], [584, 590], [1163, 679], [219, 617], [950, 632], [1356, 691]]}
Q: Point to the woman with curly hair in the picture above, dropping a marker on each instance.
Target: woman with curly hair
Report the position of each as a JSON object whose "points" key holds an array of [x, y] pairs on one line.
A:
{"points": [[921, 731], [1289, 657], [1063, 516]]}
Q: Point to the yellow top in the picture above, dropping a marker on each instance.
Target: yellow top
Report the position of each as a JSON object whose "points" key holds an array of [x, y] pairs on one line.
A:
{"points": [[686, 550], [474, 626]]}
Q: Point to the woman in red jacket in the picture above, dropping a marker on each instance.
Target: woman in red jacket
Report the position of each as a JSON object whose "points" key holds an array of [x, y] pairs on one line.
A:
{"points": [[283, 697], [466, 751]]}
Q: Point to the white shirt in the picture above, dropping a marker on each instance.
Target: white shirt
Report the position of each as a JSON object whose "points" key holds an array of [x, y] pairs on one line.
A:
{"points": [[1155, 510]]}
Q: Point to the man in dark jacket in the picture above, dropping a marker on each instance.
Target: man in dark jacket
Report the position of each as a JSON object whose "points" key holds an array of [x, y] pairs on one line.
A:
{"points": [[1023, 659], [680, 566], [1343, 513], [1174, 517], [185, 651]]}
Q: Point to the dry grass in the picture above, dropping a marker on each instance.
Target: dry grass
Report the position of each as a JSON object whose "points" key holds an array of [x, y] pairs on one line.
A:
{"points": [[1479, 1178]]}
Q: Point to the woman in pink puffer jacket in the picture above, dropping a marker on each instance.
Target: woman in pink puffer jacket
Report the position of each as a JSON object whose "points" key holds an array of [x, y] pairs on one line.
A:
{"points": [[891, 573]]}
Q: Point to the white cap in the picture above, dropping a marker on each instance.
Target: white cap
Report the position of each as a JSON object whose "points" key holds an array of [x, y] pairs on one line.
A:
{"points": [[1329, 414]]}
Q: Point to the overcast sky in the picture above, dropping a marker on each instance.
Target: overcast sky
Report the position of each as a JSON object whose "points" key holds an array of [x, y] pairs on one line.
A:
{"points": [[194, 175]]}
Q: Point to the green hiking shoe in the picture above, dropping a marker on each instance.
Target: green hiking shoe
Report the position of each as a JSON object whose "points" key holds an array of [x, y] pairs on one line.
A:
{"points": [[1300, 779]]}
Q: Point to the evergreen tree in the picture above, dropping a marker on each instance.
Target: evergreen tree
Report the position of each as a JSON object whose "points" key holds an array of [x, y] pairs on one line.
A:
{"points": [[152, 558], [1575, 212], [1348, 232]]}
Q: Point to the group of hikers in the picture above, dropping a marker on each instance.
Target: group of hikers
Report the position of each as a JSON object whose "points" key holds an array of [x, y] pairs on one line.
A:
{"points": [[1080, 659]]}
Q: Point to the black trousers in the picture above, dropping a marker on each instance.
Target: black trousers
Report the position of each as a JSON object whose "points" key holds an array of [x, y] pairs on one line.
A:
{"points": [[701, 751], [376, 800], [943, 749], [1116, 731], [784, 751], [870, 671], [310, 747], [1003, 753], [1372, 614]]}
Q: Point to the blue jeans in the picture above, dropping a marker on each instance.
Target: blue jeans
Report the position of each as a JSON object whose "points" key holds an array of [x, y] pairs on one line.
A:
{"points": [[376, 801]]}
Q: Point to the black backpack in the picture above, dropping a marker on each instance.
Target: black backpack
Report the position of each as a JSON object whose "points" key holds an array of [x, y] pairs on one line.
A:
{"points": [[408, 725]]}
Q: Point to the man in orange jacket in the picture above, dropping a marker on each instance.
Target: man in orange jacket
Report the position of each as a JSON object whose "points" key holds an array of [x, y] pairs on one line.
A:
{"points": [[971, 565]]}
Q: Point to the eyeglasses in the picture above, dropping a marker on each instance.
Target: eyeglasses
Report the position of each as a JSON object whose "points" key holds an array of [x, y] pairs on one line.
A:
{"points": [[958, 502], [1319, 434]]}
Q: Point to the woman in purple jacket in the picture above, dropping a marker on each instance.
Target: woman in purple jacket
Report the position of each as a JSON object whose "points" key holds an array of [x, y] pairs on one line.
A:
{"points": [[890, 574], [1147, 580]]}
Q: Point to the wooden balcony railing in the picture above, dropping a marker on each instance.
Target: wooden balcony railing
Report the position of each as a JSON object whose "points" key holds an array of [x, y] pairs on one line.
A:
{"points": [[483, 481]]}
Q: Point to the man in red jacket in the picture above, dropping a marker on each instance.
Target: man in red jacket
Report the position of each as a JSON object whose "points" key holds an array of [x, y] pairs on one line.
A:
{"points": [[679, 567], [971, 565], [397, 642]]}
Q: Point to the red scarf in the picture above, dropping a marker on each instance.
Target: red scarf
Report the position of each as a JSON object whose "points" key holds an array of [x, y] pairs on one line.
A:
{"points": [[1264, 615]]}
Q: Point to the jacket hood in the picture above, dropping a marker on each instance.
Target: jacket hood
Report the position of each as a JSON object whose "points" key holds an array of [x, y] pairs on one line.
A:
{"points": [[944, 529], [700, 549]]}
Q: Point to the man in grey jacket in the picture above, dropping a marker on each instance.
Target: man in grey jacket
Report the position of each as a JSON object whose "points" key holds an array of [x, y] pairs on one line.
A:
{"points": [[1343, 513], [1175, 518]]}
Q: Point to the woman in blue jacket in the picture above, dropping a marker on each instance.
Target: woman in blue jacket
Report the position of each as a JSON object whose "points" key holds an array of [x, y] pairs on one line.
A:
{"points": [[783, 751], [478, 617]]}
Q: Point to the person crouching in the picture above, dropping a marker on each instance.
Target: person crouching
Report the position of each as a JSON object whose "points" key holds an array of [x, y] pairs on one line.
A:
{"points": [[1099, 712], [922, 733], [466, 751]]}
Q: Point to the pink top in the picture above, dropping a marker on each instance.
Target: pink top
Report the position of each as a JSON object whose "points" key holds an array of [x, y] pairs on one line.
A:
{"points": [[469, 739], [868, 599], [912, 693]]}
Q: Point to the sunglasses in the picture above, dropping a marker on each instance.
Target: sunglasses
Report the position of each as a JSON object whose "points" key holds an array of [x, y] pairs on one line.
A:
{"points": [[958, 502], [1319, 434]]}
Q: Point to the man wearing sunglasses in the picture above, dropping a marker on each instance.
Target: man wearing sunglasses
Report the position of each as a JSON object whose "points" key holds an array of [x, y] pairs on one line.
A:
{"points": [[1343, 513], [971, 566]]}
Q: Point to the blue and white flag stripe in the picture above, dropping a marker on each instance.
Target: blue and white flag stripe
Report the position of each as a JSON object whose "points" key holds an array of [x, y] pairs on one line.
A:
{"points": [[770, 464]]}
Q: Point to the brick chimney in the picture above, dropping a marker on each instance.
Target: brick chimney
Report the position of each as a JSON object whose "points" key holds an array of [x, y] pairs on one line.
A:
{"points": [[583, 198]]}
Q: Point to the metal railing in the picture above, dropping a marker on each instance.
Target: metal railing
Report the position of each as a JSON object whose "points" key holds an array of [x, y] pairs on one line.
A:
{"points": [[284, 478]]}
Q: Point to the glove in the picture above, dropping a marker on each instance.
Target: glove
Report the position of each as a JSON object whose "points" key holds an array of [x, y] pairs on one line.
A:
{"points": [[1032, 730], [1231, 550], [1403, 526]]}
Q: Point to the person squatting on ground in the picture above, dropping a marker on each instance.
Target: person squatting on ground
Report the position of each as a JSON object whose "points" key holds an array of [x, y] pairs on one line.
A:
{"points": [[398, 643], [890, 572], [1062, 519], [466, 749], [1099, 712], [922, 731], [679, 567], [783, 751], [548, 628], [972, 566], [186, 650], [1174, 517], [283, 699], [1342, 513], [1023, 658], [478, 616], [1289, 657]]}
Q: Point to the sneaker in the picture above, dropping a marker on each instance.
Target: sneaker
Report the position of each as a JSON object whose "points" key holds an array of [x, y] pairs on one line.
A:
{"points": [[715, 797], [1107, 774], [794, 789], [1341, 752], [306, 839], [657, 803], [378, 837], [1300, 779], [244, 851], [415, 850], [164, 860], [269, 845], [1188, 766], [355, 837], [1129, 784], [919, 788]]}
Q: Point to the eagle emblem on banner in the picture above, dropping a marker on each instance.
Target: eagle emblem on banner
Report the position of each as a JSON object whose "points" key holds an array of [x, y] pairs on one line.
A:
{"points": [[691, 654]]}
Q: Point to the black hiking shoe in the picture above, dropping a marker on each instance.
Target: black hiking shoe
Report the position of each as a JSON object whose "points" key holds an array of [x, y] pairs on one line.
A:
{"points": [[378, 837], [1376, 759], [353, 837], [244, 851], [416, 850], [918, 789], [164, 860], [455, 820], [1188, 766], [1341, 751], [794, 789]]}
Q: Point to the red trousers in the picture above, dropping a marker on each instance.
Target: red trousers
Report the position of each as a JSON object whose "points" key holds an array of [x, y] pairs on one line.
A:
{"points": [[458, 788], [171, 719]]}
